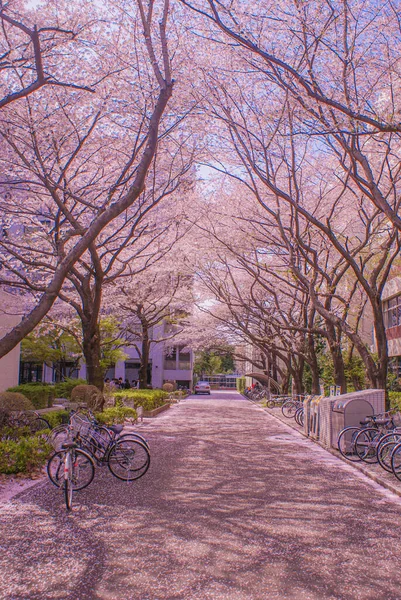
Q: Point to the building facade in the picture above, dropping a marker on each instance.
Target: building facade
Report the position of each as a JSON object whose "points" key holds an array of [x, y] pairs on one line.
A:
{"points": [[391, 299]]}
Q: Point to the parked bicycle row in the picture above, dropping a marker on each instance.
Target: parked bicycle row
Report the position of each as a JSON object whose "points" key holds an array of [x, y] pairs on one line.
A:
{"points": [[291, 406], [377, 439], [83, 444]]}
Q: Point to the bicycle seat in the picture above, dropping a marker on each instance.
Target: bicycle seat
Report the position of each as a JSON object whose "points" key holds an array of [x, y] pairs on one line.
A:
{"points": [[382, 421], [69, 445], [116, 428]]}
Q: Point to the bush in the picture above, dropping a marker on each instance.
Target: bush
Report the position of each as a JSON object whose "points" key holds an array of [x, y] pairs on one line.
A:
{"points": [[118, 414], [64, 388], [40, 394], [148, 399], [89, 395], [10, 401], [168, 387], [24, 455], [395, 400], [56, 417]]}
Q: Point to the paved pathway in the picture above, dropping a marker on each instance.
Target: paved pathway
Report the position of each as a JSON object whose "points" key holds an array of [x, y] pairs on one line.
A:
{"points": [[234, 507]]}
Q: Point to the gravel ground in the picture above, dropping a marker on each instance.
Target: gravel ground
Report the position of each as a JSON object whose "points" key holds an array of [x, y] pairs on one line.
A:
{"points": [[235, 506]]}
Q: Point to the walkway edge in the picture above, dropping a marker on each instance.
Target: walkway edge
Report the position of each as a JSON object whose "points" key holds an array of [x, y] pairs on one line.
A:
{"points": [[355, 465]]}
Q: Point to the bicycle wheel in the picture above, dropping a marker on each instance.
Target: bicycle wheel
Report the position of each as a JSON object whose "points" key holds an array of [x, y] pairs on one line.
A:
{"points": [[58, 436], [396, 461], [39, 424], [83, 470], [270, 404], [346, 443], [128, 459], [301, 416], [68, 480], [366, 443], [289, 409], [384, 453], [134, 436]]}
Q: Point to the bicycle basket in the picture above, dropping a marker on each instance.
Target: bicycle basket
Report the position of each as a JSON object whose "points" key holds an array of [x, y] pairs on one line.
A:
{"points": [[80, 424]]}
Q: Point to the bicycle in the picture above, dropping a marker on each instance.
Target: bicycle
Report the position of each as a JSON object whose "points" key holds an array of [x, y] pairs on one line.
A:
{"points": [[61, 433], [368, 439], [32, 420], [127, 456], [72, 469], [290, 407], [277, 401], [346, 441]]}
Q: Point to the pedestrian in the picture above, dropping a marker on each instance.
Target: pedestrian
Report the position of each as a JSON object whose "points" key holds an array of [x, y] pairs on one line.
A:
{"points": [[127, 385], [120, 383], [133, 383]]}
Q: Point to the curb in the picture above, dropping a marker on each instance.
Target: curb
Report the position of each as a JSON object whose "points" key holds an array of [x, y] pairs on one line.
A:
{"points": [[153, 413], [362, 469]]}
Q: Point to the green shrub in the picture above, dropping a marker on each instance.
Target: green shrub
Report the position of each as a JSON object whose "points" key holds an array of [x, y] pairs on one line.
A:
{"points": [[395, 400], [168, 387], [148, 399], [64, 388], [56, 417], [24, 455], [41, 395], [241, 383], [118, 414], [14, 400]]}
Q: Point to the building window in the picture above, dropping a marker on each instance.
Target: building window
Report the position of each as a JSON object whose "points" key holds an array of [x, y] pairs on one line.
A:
{"points": [[170, 359], [30, 372], [184, 359], [392, 312]]}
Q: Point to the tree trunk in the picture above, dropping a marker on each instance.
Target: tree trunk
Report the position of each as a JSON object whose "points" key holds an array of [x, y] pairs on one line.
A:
{"points": [[92, 354], [143, 370], [314, 366], [381, 343], [337, 357], [297, 376]]}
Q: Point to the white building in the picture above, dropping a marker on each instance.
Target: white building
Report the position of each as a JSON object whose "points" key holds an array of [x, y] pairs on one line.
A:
{"points": [[168, 362]]}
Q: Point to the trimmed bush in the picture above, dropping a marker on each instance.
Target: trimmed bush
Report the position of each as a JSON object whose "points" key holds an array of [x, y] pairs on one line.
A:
{"points": [[40, 394], [116, 415], [168, 387], [24, 455], [89, 395], [11, 401], [148, 399]]}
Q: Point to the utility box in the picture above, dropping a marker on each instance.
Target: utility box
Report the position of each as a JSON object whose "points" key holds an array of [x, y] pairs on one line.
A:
{"points": [[350, 409], [349, 412]]}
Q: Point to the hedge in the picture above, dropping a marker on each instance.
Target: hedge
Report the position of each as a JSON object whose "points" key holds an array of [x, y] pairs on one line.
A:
{"points": [[118, 414], [41, 395], [240, 383], [148, 399], [64, 388]]}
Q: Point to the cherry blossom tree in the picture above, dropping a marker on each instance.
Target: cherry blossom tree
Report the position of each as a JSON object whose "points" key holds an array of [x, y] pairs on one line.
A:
{"points": [[29, 44], [72, 167]]}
